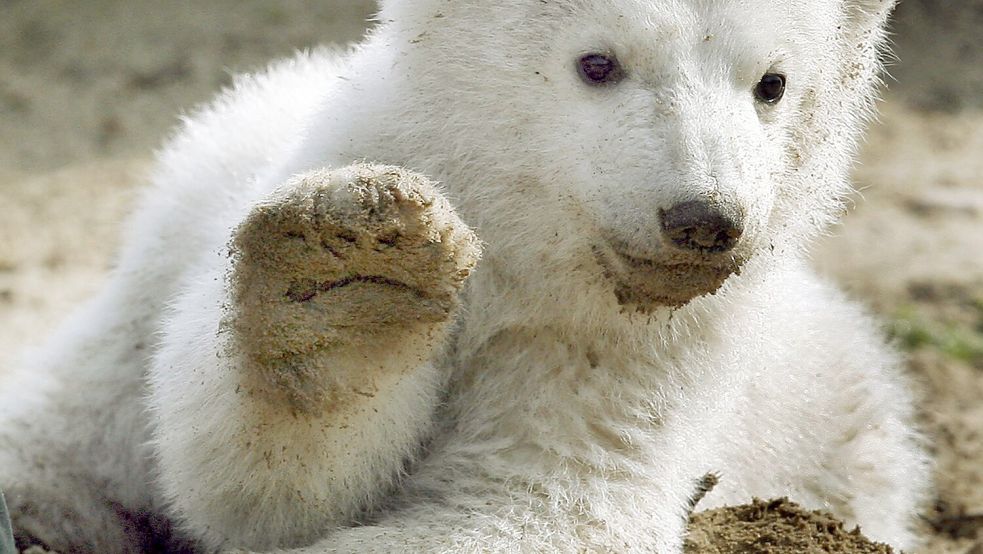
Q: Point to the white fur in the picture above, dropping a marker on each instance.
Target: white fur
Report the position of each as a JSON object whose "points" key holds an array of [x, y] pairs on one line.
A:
{"points": [[552, 419]]}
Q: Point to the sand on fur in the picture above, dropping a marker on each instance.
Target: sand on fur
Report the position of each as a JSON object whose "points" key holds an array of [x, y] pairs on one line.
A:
{"points": [[337, 262]]}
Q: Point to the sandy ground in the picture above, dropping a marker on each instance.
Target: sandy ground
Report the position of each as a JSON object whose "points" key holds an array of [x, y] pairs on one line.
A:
{"points": [[87, 90]]}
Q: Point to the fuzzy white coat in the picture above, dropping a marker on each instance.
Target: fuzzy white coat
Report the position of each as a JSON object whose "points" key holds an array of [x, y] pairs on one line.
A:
{"points": [[546, 413]]}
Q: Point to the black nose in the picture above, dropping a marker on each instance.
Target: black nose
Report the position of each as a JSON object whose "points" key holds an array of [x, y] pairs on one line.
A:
{"points": [[702, 226]]}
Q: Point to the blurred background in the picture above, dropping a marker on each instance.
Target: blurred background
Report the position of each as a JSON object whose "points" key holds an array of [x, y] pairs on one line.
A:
{"points": [[89, 89]]}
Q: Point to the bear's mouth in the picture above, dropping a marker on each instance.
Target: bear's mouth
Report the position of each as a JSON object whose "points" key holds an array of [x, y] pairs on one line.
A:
{"points": [[649, 283]]}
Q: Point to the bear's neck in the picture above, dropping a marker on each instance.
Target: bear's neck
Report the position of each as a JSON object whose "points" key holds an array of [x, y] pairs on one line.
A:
{"points": [[594, 403], [522, 374]]}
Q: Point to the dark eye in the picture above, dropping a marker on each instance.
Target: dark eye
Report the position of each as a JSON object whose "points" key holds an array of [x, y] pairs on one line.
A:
{"points": [[599, 69], [770, 88]]}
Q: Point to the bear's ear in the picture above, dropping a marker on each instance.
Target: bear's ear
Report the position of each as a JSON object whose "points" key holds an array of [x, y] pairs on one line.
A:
{"points": [[865, 17], [838, 107]]}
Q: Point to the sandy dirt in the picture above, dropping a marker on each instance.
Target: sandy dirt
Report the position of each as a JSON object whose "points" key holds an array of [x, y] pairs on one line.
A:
{"points": [[87, 90], [774, 527]]}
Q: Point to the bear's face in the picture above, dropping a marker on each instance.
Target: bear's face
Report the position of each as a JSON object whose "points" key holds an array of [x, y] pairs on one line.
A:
{"points": [[651, 142], [678, 155]]}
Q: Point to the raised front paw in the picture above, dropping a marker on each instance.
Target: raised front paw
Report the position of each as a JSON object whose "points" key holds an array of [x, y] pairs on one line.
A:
{"points": [[359, 248], [344, 259]]}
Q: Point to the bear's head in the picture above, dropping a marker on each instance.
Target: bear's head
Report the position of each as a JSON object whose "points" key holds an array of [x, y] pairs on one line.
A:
{"points": [[635, 152]]}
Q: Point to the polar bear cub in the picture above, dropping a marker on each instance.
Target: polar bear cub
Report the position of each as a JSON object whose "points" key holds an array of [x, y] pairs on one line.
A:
{"points": [[300, 349]]}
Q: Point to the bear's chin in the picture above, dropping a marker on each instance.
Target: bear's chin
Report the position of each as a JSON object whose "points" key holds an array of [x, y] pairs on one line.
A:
{"points": [[649, 284]]}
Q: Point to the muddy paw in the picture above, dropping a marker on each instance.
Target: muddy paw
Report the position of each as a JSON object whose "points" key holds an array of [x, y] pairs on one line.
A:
{"points": [[342, 257]]}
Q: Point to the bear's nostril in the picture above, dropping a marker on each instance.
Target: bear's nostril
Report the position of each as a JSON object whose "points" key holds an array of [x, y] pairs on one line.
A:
{"points": [[702, 226]]}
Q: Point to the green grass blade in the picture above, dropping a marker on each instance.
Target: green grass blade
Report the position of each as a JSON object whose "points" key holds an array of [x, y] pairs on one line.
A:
{"points": [[6, 533]]}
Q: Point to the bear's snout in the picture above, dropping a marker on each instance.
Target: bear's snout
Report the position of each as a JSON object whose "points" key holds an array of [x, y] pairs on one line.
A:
{"points": [[702, 226]]}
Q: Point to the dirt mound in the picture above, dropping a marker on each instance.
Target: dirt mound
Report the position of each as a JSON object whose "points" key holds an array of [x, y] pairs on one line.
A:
{"points": [[774, 527]]}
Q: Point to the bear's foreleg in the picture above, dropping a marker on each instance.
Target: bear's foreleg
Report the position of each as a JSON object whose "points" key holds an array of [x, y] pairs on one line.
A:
{"points": [[878, 470], [295, 376]]}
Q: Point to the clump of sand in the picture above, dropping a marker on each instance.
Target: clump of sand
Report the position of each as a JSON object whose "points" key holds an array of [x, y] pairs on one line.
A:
{"points": [[774, 527]]}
